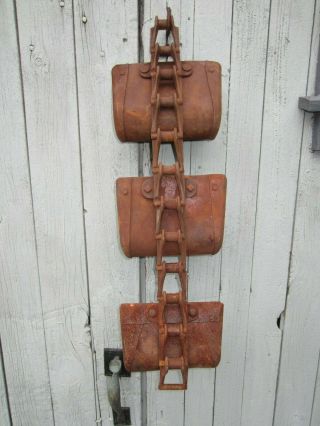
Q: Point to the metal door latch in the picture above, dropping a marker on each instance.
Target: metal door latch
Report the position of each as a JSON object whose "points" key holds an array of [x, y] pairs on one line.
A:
{"points": [[312, 104], [114, 368]]}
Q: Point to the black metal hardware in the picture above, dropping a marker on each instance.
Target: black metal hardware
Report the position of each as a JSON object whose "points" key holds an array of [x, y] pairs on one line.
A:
{"points": [[312, 104], [114, 368], [109, 355]]}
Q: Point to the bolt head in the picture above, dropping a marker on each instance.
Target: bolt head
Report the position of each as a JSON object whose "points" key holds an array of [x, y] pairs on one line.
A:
{"points": [[144, 68], [147, 188], [152, 312], [190, 187], [193, 312], [186, 67], [214, 186]]}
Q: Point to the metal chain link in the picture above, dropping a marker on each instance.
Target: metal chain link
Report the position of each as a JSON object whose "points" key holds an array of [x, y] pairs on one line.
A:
{"points": [[171, 74]]}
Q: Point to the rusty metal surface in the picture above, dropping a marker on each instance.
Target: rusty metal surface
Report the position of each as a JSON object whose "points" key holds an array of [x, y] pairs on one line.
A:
{"points": [[169, 213], [201, 92], [204, 214], [139, 327]]}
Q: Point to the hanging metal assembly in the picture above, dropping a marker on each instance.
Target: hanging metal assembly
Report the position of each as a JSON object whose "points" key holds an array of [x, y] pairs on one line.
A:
{"points": [[311, 104], [169, 214]]}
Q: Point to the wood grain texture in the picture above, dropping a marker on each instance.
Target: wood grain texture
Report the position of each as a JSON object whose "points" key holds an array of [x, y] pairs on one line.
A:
{"points": [[211, 41], [48, 70], [247, 68], [298, 389], [21, 324], [108, 37], [286, 78], [4, 398]]}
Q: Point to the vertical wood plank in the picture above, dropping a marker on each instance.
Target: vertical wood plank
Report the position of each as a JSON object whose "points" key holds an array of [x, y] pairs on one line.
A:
{"points": [[286, 78], [48, 70], [297, 388], [211, 41], [4, 407], [21, 324], [248, 63], [108, 37]]}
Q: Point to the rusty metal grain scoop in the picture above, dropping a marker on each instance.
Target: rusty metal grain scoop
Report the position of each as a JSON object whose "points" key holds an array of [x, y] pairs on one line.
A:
{"points": [[169, 214]]}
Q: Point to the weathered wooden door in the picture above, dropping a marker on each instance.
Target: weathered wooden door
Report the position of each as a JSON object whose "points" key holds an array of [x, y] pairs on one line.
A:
{"points": [[63, 274]]}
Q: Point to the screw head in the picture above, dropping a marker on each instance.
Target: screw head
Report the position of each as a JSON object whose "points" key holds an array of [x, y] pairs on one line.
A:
{"points": [[125, 191], [84, 19]]}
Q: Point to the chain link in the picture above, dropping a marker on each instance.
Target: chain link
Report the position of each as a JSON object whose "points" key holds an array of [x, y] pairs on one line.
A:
{"points": [[171, 74]]}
